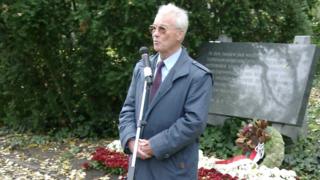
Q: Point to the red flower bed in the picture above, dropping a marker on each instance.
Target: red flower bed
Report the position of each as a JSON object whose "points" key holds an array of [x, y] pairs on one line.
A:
{"points": [[112, 162], [212, 174], [111, 159], [117, 164]]}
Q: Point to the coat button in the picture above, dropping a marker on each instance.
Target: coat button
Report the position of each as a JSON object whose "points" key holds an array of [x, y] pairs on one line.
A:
{"points": [[182, 165]]}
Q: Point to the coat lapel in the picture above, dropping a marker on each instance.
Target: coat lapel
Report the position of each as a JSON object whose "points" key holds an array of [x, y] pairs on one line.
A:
{"points": [[180, 69]]}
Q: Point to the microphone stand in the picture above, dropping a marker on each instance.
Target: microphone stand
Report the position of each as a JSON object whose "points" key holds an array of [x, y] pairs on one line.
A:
{"points": [[141, 121]]}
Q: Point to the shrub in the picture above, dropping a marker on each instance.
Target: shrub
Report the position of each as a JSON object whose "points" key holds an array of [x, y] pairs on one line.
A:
{"points": [[67, 64]]}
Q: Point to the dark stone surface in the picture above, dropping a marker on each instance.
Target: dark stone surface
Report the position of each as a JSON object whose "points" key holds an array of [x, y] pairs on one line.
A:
{"points": [[261, 80]]}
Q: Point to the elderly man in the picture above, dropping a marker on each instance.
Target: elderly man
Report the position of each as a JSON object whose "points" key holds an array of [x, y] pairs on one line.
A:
{"points": [[178, 108]]}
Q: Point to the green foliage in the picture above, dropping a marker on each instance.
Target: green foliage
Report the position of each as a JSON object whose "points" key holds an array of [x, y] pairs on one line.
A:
{"points": [[56, 73], [273, 149], [219, 141], [15, 141], [315, 19], [303, 157], [66, 65], [112, 171]]}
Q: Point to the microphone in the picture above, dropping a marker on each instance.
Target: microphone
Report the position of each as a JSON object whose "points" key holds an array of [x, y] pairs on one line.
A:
{"points": [[147, 68]]}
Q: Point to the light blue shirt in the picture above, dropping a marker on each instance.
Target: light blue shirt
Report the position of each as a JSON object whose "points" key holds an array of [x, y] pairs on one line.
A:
{"points": [[168, 63]]}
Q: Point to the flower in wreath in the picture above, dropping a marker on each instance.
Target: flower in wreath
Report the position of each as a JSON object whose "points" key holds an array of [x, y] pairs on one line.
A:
{"points": [[257, 138], [251, 135]]}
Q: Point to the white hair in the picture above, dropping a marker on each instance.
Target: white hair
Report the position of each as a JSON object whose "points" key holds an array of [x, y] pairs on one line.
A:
{"points": [[180, 14]]}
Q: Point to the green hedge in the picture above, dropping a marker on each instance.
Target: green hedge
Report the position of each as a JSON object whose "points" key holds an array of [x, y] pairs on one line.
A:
{"points": [[66, 64]]}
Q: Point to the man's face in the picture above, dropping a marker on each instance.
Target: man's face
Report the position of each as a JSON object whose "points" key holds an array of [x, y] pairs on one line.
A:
{"points": [[165, 35]]}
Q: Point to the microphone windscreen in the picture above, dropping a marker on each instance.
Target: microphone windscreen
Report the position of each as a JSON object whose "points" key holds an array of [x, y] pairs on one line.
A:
{"points": [[143, 50]]}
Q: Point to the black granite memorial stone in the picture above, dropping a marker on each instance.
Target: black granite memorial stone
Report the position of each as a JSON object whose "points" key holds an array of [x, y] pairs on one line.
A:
{"points": [[261, 80]]}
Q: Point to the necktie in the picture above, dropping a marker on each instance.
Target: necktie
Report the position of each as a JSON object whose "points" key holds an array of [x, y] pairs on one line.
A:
{"points": [[157, 81]]}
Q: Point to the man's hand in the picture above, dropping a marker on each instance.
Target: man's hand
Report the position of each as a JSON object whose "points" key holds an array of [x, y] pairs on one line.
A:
{"points": [[145, 146], [141, 154]]}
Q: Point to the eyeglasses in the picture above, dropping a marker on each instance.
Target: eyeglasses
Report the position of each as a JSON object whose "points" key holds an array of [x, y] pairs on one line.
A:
{"points": [[162, 29]]}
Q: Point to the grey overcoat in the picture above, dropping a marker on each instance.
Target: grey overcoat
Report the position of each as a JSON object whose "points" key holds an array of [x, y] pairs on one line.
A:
{"points": [[176, 118]]}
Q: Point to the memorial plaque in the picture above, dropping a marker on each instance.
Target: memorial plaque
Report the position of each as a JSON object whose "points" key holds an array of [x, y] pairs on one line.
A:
{"points": [[261, 80]]}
